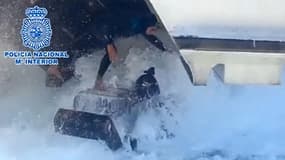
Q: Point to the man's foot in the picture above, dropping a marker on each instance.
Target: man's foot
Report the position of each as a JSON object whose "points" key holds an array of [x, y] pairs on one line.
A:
{"points": [[134, 143], [99, 85]]}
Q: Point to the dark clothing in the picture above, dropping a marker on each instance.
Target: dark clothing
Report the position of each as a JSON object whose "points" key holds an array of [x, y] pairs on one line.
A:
{"points": [[146, 85], [104, 65]]}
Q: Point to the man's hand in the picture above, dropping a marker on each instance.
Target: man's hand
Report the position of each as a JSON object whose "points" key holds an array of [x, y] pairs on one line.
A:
{"points": [[151, 30], [112, 53], [54, 70], [99, 85]]}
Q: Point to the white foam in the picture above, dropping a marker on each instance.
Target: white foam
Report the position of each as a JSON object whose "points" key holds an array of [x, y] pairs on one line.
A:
{"points": [[218, 121]]}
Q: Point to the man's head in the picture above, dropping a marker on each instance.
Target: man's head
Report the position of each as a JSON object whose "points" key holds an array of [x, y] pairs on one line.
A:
{"points": [[141, 23], [151, 20]]}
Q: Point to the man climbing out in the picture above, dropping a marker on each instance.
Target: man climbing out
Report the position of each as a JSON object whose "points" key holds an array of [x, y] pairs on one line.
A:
{"points": [[138, 25], [96, 26]]}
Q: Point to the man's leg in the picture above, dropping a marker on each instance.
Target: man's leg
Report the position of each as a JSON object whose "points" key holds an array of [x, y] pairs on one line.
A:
{"points": [[110, 56], [105, 63]]}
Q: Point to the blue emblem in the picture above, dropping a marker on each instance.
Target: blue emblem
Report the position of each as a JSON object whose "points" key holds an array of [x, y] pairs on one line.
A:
{"points": [[36, 29]]}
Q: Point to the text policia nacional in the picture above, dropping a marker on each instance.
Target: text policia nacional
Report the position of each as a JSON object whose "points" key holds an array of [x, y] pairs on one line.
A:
{"points": [[36, 57]]}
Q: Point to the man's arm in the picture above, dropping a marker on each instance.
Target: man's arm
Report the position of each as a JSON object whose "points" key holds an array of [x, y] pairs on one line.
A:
{"points": [[110, 56], [150, 36]]}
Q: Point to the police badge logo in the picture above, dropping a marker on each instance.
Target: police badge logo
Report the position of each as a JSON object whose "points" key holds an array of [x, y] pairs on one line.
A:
{"points": [[36, 29]]}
